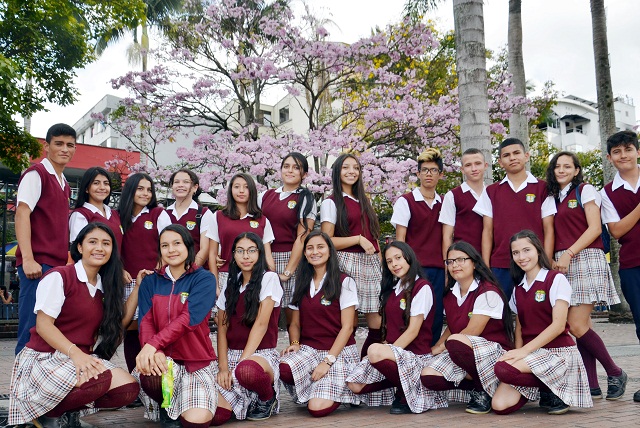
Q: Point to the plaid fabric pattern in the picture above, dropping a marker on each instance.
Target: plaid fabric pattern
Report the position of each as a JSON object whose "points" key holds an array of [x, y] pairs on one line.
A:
{"points": [[365, 373], [366, 271], [39, 382], [222, 279], [239, 397], [332, 386], [281, 260], [128, 288], [193, 390], [590, 278]]}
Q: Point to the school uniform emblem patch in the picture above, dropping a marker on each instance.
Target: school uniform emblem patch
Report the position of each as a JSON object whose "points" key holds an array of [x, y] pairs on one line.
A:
{"points": [[530, 197], [403, 304], [573, 203], [254, 224], [324, 302], [191, 225], [291, 204], [540, 296], [148, 225], [470, 314], [183, 297]]}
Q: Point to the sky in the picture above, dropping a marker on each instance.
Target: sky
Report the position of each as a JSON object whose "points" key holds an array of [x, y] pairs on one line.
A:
{"points": [[557, 46]]}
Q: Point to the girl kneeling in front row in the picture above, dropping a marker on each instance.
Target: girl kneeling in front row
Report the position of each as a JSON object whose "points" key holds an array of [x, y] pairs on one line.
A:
{"points": [[323, 348], [407, 309], [546, 356]]}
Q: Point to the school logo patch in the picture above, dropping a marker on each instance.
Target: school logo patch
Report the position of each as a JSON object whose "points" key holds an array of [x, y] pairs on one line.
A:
{"points": [[530, 197], [254, 224], [403, 304], [191, 225], [291, 204], [573, 203], [183, 297], [540, 296], [148, 225], [470, 314], [324, 302]]}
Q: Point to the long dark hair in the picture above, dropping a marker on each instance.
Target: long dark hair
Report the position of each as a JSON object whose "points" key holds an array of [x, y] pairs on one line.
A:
{"points": [[194, 180], [342, 224], [111, 274], [543, 261], [304, 194], [126, 198], [252, 292], [86, 181], [187, 239], [231, 209], [389, 282], [553, 187], [331, 285], [482, 273]]}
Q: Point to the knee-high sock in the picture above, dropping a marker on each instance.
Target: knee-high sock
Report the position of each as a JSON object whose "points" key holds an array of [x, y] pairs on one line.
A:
{"points": [[152, 386], [187, 424], [131, 345], [508, 374], [462, 355], [439, 383], [285, 374], [86, 393], [221, 416], [389, 369], [323, 412], [374, 336], [589, 362], [594, 344], [376, 386], [252, 376], [523, 400], [119, 396]]}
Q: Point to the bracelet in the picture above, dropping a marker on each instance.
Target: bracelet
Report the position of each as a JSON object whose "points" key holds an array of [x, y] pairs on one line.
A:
{"points": [[295, 342], [69, 350], [571, 253]]}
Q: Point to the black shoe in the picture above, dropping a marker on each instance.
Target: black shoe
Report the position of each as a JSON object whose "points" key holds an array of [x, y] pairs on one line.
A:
{"points": [[480, 403], [596, 392], [45, 422], [556, 405], [262, 410], [616, 386], [166, 421], [546, 399], [73, 421], [400, 407], [636, 397], [135, 404]]}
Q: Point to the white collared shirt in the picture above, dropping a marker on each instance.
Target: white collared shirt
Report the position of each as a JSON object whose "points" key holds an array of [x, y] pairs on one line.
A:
{"points": [[50, 291], [560, 289], [205, 221], [282, 195], [163, 219], [489, 303], [421, 303], [328, 211], [348, 293], [608, 212], [448, 210], [270, 287], [30, 188], [214, 234], [402, 213], [77, 221], [588, 193]]}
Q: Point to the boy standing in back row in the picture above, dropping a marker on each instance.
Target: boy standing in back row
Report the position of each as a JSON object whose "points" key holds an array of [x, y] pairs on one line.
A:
{"points": [[520, 201]]}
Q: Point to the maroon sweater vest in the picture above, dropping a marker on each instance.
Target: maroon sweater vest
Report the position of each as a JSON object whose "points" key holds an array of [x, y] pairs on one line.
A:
{"points": [[624, 201], [283, 215], [394, 313], [140, 243], [424, 232], [228, 231], [190, 221], [458, 316], [570, 222], [513, 212], [320, 320], [49, 221], [536, 313], [469, 225], [354, 214], [113, 222], [80, 326], [238, 333]]}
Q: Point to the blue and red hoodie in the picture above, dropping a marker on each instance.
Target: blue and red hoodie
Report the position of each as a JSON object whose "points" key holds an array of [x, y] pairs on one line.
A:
{"points": [[174, 316]]}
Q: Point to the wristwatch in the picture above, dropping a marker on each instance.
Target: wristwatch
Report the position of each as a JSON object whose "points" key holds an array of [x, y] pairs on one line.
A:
{"points": [[287, 273], [329, 359]]}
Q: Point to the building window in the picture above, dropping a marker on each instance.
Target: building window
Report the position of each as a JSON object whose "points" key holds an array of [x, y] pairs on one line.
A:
{"points": [[265, 118], [284, 114]]}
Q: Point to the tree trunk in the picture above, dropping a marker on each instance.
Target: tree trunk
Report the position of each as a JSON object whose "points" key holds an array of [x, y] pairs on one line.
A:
{"points": [[518, 123], [607, 119], [472, 78]]}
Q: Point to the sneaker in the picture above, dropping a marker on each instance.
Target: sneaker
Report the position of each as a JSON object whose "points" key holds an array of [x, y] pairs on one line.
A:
{"points": [[73, 421], [596, 392], [262, 410], [479, 404], [400, 407], [166, 421], [545, 399], [616, 386], [636, 397], [556, 405], [45, 422]]}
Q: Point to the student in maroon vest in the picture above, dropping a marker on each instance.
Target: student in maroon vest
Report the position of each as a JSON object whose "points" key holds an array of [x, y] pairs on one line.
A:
{"points": [[520, 201], [545, 356], [415, 217], [248, 312], [459, 221], [292, 211], [175, 304], [241, 214], [92, 204], [187, 212], [348, 217], [406, 305], [323, 349], [59, 370], [621, 214], [42, 221], [580, 257], [142, 222], [476, 334]]}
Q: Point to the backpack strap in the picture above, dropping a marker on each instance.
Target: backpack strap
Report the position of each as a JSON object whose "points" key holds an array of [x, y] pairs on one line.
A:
{"points": [[199, 217], [578, 194]]}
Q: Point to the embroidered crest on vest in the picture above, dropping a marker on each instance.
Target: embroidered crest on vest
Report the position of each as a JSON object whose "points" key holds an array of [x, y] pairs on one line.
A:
{"points": [[540, 296], [148, 224], [573, 203], [191, 225], [254, 224], [470, 314], [530, 197], [403, 304], [291, 204], [324, 301]]}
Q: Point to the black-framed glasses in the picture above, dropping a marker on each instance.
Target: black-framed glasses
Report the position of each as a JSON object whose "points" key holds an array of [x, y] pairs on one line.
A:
{"points": [[432, 171], [459, 261], [251, 251]]}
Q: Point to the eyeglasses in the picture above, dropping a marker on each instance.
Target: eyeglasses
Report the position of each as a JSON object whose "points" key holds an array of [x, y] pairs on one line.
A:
{"points": [[241, 251], [432, 171], [459, 261]]}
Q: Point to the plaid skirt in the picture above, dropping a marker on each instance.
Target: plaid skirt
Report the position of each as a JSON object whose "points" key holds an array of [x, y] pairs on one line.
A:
{"points": [[590, 278], [239, 397], [332, 386], [39, 382], [281, 259], [366, 271], [222, 279], [128, 288], [419, 398]]}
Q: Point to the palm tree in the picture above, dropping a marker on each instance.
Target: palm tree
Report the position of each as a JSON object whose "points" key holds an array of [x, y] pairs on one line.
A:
{"points": [[518, 123]]}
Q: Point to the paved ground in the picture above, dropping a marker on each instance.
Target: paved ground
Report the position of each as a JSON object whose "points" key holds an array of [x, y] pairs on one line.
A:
{"points": [[620, 339]]}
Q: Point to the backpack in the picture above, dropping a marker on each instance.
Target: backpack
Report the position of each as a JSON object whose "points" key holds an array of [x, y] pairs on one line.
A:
{"points": [[606, 238]]}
